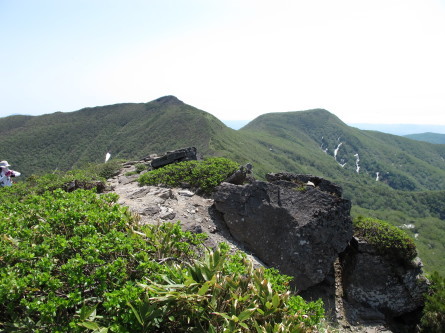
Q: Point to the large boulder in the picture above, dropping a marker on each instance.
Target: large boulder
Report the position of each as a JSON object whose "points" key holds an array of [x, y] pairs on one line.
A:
{"points": [[295, 227], [382, 283], [179, 155], [241, 176]]}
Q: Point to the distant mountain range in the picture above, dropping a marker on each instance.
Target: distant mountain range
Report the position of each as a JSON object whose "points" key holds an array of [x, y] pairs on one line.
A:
{"points": [[384, 175], [428, 137], [402, 129]]}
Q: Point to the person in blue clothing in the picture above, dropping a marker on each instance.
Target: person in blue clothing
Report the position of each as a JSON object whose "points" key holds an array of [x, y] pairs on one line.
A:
{"points": [[6, 174]]}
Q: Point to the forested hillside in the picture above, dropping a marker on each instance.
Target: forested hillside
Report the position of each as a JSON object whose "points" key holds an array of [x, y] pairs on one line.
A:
{"points": [[386, 176]]}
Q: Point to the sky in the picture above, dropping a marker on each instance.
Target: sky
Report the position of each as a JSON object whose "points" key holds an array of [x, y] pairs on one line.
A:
{"points": [[376, 61]]}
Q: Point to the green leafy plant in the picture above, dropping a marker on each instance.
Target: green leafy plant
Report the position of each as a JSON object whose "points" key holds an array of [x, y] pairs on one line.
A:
{"points": [[433, 319], [140, 167], [300, 188], [204, 175], [63, 254], [208, 300], [89, 177], [104, 170], [387, 239]]}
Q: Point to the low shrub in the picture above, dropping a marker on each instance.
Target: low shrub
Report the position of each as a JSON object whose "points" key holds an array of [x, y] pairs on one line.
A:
{"points": [[433, 319], [63, 252], [204, 175], [140, 167], [387, 239], [105, 170], [208, 300], [38, 184]]}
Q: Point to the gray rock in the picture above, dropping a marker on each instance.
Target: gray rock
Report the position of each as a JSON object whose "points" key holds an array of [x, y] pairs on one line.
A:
{"points": [[242, 175], [140, 193], [186, 193], [150, 210], [126, 180], [300, 232], [195, 229], [163, 193], [130, 163], [167, 213], [184, 154], [380, 283], [149, 158]]}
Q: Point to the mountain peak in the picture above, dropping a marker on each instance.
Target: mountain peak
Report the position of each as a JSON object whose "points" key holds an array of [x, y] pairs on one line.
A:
{"points": [[169, 99]]}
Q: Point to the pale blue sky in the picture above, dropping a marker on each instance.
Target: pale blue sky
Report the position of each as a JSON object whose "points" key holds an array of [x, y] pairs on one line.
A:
{"points": [[377, 61]]}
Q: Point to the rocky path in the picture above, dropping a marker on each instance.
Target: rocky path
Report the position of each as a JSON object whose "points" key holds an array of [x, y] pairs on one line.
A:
{"points": [[158, 205]]}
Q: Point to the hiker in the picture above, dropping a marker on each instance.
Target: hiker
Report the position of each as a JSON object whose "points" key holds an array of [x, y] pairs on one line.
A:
{"points": [[6, 174]]}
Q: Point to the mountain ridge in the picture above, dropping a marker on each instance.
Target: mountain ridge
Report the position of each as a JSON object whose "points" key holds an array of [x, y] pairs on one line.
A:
{"points": [[386, 176], [430, 137], [130, 130]]}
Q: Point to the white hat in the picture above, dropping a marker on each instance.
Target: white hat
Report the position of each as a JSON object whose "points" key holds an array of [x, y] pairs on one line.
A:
{"points": [[4, 164]]}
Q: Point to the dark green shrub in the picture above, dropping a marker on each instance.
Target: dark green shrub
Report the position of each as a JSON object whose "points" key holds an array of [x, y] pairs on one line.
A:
{"points": [[49, 182], [63, 252], [433, 319], [204, 175], [38, 184], [387, 239], [104, 170], [140, 167]]}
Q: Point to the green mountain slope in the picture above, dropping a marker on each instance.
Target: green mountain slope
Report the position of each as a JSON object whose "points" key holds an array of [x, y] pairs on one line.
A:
{"points": [[385, 176], [66, 140], [342, 150], [428, 137]]}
